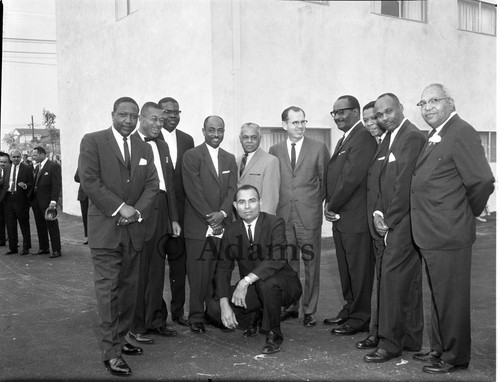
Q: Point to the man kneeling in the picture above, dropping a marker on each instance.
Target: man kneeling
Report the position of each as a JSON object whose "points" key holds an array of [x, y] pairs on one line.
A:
{"points": [[258, 243]]}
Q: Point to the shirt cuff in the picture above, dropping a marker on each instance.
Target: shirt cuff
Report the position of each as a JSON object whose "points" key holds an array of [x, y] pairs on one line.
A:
{"points": [[118, 209], [379, 213], [224, 213]]}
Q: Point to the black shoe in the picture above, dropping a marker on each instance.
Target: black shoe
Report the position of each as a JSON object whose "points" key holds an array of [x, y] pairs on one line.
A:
{"points": [[253, 328], [130, 349], [273, 342], [309, 321], [369, 342], [9, 252], [181, 321], [197, 327], [431, 356], [164, 331], [289, 314], [55, 254], [442, 367], [140, 338], [380, 355], [42, 252], [86, 242], [348, 330], [334, 321], [24, 252], [117, 366]]}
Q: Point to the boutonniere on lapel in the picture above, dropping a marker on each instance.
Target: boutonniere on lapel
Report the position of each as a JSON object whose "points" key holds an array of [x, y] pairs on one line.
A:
{"points": [[435, 139]]}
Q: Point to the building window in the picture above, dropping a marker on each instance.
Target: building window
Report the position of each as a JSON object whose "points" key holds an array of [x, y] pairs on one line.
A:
{"points": [[404, 9], [123, 8], [273, 135], [477, 16], [489, 142]]}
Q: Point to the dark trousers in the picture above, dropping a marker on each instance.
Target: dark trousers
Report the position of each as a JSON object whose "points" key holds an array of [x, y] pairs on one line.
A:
{"points": [[378, 250], [44, 228], [449, 277], [281, 289], [116, 273], [2, 223], [200, 265], [17, 210], [177, 275], [355, 260], [84, 207]]}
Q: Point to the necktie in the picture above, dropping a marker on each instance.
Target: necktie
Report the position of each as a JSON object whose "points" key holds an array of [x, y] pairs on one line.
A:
{"points": [[243, 163], [378, 139], [293, 158], [148, 139], [13, 185], [250, 237], [127, 153]]}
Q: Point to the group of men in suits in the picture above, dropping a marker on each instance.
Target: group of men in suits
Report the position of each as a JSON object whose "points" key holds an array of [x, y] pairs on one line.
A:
{"points": [[22, 187], [419, 196]]}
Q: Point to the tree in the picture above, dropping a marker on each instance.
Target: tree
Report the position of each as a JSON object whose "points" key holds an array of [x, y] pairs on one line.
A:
{"points": [[49, 120], [11, 140]]}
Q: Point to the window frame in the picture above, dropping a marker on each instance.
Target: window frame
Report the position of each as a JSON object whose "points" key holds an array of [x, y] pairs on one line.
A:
{"points": [[400, 3], [480, 3]]}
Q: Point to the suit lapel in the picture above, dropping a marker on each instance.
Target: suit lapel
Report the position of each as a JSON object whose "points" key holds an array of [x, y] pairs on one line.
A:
{"points": [[251, 163], [113, 145], [303, 152], [208, 160], [428, 148]]}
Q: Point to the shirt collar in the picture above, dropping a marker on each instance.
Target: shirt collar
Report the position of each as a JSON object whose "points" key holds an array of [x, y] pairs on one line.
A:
{"points": [[350, 130], [440, 127]]}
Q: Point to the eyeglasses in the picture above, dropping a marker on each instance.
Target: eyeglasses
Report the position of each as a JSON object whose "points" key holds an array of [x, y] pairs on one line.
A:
{"points": [[125, 115], [172, 112], [302, 123], [431, 102], [340, 112]]}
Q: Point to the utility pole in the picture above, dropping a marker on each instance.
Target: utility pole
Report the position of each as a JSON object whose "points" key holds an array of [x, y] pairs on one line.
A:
{"points": [[32, 130]]}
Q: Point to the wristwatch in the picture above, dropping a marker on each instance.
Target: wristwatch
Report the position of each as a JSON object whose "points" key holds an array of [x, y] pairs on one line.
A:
{"points": [[247, 279]]}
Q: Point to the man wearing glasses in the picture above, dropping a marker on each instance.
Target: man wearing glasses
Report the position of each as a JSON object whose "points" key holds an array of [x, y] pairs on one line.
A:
{"points": [[346, 209], [302, 191], [451, 185]]}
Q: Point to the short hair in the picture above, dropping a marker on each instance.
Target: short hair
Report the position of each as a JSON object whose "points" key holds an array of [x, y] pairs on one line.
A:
{"points": [[353, 101], [443, 88], [246, 187], [4, 154], [251, 124], [391, 95], [15, 151], [212, 116], [149, 105], [284, 115], [167, 99], [40, 150], [123, 100], [369, 105]]}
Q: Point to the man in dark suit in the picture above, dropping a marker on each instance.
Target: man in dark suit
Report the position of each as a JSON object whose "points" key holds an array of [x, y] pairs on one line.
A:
{"points": [[19, 183], [118, 174], [178, 143], [150, 311], [4, 164], [257, 243], [400, 324], [209, 175], [46, 192], [451, 185], [84, 206], [346, 209], [370, 122], [303, 164], [258, 168]]}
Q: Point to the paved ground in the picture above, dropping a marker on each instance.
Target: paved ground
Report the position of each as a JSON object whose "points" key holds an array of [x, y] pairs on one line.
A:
{"points": [[48, 323]]}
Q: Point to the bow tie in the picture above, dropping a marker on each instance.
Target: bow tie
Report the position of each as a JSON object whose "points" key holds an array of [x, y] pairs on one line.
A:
{"points": [[147, 139]]}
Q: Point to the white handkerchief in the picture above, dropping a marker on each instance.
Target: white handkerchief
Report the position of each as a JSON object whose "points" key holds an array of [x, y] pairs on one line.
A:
{"points": [[166, 159], [46, 173], [392, 158], [226, 172], [381, 158], [210, 232], [143, 162], [342, 152]]}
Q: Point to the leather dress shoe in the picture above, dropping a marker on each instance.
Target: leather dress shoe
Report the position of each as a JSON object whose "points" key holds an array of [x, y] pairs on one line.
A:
{"points": [[431, 356], [24, 252], [42, 252], [289, 314], [197, 327], [369, 342], [441, 367], [253, 328], [130, 349], [117, 366], [309, 321], [164, 331], [9, 252], [334, 321], [273, 342], [380, 355], [181, 321], [55, 254], [140, 338], [348, 330]]}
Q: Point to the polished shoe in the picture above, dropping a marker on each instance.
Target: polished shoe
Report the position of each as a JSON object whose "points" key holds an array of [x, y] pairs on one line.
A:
{"points": [[164, 331], [24, 252], [348, 330], [55, 254], [197, 327], [380, 355], [309, 321], [9, 252], [140, 338], [181, 321], [289, 314], [273, 342], [369, 342], [130, 349], [253, 328], [441, 367], [86, 242], [42, 252], [431, 356], [117, 366], [334, 321]]}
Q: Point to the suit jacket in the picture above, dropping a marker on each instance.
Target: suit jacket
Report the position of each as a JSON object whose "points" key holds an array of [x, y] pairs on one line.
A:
{"points": [[107, 182], [22, 196], [206, 191], [305, 187], [4, 181], [346, 179], [451, 185], [265, 258], [262, 172], [47, 184], [81, 195]]}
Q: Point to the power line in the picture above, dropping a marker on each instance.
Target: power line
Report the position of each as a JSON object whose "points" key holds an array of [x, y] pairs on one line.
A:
{"points": [[29, 63], [28, 40], [26, 51]]}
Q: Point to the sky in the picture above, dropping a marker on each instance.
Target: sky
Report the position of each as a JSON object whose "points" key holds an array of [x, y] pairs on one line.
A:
{"points": [[29, 72]]}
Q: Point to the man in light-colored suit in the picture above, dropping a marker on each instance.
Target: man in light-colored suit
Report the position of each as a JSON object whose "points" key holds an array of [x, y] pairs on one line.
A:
{"points": [[450, 186], [303, 164], [258, 168], [118, 174]]}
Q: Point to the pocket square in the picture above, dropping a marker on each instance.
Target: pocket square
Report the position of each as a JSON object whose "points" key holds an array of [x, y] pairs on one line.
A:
{"points": [[381, 158], [46, 173], [166, 159], [226, 172], [143, 162], [392, 158], [342, 152]]}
